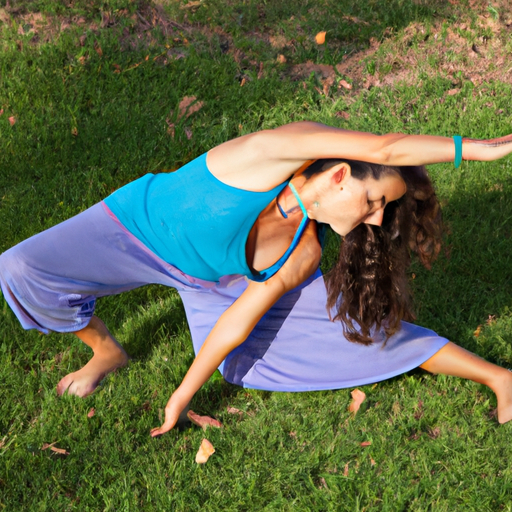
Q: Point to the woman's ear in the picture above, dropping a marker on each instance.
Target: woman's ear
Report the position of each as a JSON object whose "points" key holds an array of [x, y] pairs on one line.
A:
{"points": [[340, 173]]}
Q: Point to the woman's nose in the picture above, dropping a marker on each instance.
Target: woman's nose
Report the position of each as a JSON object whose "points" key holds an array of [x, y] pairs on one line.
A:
{"points": [[375, 218]]}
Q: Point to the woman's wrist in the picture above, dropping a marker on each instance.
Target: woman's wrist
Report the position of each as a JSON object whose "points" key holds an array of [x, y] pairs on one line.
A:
{"points": [[457, 140], [180, 399]]}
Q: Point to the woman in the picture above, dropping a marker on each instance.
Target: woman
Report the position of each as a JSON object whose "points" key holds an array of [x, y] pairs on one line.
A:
{"points": [[250, 207]]}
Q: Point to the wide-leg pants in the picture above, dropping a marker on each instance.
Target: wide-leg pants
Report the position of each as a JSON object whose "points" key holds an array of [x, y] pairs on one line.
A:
{"points": [[51, 282]]}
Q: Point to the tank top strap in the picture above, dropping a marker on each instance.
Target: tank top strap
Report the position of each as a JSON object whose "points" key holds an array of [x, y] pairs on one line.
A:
{"points": [[269, 272], [299, 200]]}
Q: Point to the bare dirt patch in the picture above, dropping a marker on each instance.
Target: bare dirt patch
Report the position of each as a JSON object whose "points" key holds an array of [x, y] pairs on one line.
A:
{"points": [[478, 48], [479, 53]]}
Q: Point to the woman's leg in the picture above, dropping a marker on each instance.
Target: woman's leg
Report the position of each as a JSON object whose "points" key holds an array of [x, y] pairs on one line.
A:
{"points": [[51, 282], [108, 356], [456, 361]]}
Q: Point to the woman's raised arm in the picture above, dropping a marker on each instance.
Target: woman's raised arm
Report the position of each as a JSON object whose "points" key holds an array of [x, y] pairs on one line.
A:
{"points": [[313, 140], [261, 160]]}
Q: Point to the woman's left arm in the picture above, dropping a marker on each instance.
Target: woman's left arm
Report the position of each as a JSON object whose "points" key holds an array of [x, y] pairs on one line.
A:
{"points": [[261, 160], [237, 322], [307, 140]]}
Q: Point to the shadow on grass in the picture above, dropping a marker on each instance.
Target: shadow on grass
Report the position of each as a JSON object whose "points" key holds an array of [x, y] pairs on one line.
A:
{"points": [[471, 284]]}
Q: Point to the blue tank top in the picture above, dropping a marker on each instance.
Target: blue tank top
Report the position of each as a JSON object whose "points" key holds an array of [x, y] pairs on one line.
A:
{"points": [[195, 222]]}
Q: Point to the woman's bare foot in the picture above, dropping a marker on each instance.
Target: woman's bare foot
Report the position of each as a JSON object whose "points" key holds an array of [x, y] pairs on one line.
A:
{"points": [[503, 389], [108, 355], [454, 360]]}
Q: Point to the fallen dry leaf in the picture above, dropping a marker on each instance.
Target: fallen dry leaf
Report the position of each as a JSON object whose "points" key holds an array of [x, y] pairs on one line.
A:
{"points": [[345, 84], [243, 82], [281, 59], [358, 397], [12, 120], [53, 448], [365, 443], [452, 92], [345, 471], [191, 5], [203, 421], [91, 413], [477, 331], [1, 111], [205, 451], [320, 38], [234, 410], [323, 483], [260, 72]]}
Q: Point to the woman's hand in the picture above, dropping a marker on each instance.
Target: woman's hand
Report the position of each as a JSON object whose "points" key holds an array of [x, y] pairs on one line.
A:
{"points": [[173, 410], [486, 149]]}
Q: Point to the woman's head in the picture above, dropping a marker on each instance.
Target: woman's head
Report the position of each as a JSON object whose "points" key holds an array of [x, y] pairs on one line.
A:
{"points": [[370, 273], [352, 192]]}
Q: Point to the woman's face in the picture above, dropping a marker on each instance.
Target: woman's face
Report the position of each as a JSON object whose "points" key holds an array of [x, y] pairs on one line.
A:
{"points": [[352, 201]]}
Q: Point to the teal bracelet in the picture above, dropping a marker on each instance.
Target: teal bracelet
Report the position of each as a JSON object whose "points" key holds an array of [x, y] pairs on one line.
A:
{"points": [[457, 139]]}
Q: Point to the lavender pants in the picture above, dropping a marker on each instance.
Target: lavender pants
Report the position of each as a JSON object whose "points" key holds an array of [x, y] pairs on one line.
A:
{"points": [[51, 282]]}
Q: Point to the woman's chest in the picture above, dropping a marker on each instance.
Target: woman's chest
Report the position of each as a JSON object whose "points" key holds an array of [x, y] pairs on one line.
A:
{"points": [[270, 237]]}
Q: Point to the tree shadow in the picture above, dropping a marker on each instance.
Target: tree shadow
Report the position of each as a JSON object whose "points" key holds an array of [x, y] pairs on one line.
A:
{"points": [[472, 281]]}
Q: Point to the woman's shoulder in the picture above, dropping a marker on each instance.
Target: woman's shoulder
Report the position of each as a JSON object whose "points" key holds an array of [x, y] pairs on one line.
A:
{"points": [[257, 161]]}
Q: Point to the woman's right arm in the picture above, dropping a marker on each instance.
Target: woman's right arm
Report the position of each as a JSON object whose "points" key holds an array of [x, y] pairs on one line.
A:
{"points": [[237, 322]]}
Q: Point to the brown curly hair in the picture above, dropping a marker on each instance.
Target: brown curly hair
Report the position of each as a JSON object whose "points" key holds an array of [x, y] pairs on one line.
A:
{"points": [[368, 284]]}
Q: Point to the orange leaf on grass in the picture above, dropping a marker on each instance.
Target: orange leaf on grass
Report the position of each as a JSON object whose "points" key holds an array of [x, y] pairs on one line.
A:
{"points": [[358, 397], [205, 451], [61, 451], [320, 38], [365, 443], [203, 421], [91, 413], [345, 84], [12, 120]]}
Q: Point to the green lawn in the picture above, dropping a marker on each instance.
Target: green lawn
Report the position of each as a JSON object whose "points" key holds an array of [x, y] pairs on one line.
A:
{"points": [[89, 100]]}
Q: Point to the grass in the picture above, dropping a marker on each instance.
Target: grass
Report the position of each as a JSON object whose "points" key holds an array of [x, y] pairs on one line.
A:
{"points": [[93, 104]]}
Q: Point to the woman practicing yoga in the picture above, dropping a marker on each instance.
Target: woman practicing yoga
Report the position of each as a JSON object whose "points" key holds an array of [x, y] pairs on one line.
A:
{"points": [[238, 232]]}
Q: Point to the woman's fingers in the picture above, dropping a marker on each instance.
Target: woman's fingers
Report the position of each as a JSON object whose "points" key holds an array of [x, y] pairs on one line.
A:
{"points": [[171, 418], [158, 431]]}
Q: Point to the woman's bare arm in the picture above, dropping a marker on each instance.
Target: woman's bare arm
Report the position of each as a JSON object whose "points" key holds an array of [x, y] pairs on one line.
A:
{"points": [[237, 322], [261, 160]]}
